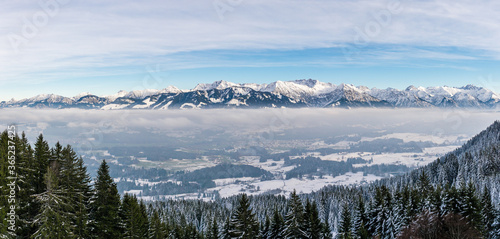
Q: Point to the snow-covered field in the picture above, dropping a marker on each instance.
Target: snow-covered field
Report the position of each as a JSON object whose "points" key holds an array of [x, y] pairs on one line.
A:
{"points": [[285, 187]]}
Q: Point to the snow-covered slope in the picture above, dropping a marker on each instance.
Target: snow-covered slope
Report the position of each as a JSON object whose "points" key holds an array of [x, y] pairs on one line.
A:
{"points": [[298, 93]]}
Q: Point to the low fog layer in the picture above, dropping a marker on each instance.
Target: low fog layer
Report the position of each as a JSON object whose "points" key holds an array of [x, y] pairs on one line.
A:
{"points": [[223, 127]]}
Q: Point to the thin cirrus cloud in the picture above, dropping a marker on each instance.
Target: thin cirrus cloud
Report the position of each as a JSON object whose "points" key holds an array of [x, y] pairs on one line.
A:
{"points": [[89, 38]]}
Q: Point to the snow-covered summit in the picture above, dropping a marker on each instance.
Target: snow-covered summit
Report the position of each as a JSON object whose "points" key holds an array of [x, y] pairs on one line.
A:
{"points": [[297, 93]]}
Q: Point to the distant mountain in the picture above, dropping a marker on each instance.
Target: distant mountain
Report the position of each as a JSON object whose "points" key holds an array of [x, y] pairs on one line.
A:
{"points": [[298, 93]]}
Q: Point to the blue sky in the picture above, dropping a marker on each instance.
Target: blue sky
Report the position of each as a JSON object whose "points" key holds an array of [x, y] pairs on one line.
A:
{"points": [[70, 46]]}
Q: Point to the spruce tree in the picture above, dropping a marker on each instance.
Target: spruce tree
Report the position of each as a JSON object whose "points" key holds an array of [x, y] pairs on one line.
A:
{"points": [[105, 206], [265, 227], [133, 218], [361, 220], [345, 229], [243, 223], [156, 227], [471, 205], [294, 219], [326, 233], [42, 156], [76, 182], [487, 211], [277, 225], [25, 173], [213, 230], [53, 221], [314, 226], [226, 230]]}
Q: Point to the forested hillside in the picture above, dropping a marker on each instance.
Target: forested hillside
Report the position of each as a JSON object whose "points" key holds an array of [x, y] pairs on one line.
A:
{"points": [[48, 194]]}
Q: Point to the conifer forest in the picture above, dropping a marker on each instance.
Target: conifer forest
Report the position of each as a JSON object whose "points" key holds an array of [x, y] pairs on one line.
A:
{"points": [[456, 196]]}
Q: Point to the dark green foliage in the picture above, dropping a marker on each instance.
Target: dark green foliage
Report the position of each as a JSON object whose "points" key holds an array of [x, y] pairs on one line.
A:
{"points": [[314, 226], [134, 220], [430, 200], [243, 223], [487, 212], [157, 229], [345, 230], [360, 221], [53, 221], [294, 220], [213, 230], [264, 229], [105, 206], [277, 225]]}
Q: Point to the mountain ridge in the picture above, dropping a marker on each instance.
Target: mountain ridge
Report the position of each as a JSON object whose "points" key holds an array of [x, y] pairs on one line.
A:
{"points": [[298, 93]]}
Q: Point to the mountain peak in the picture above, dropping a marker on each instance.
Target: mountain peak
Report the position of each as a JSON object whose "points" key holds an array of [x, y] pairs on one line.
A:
{"points": [[470, 87], [309, 82], [411, 88], [221, 84], [297, 93]]}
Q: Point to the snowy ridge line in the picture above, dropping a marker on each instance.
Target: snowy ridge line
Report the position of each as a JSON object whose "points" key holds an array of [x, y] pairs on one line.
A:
{"points": [[298, 93]]}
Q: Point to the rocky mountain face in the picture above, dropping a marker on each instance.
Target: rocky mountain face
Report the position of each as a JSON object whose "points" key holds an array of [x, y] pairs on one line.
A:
{"points": [[299, 93]]}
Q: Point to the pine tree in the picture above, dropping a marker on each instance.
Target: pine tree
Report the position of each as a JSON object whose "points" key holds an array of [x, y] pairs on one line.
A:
{"points": [[41, 163], [471, 208], [156, 227], [425, 189], [277, 226], [451, 201], [326, 232], [226, 231], [213, 230], [243, 223], [105, 206], [345, 229], [41, 155], [437, 201], [143, 219], [361, 220], [294, 220], [26, 181], [76, 182], [133, 218], [307, 222], [53, 221], [265, 227], [487, 212], [315, 224]]}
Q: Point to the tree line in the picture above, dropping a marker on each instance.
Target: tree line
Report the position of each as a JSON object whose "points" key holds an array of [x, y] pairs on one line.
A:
{"points": [[56, 198]]}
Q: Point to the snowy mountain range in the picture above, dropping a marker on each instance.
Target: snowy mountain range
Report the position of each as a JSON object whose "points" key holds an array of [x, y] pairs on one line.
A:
{"points": [[298, 93]]}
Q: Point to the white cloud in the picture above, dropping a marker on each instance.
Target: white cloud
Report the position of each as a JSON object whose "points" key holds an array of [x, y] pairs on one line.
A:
{"points": [[97, 34]]}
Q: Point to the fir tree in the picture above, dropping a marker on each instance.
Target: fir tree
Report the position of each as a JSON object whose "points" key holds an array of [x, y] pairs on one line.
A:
{"points": [[277, 225], [105, 206], [213, 230], [157, 228], [265, 227], [294, 220], [425, 189], [315, 225], [133, 218], [345, 229], [471, 205], [226, 231], [76, 182], [487, 212], [53, 220], [326, 233], [243, 223], [42, 156], [361, 220]]}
